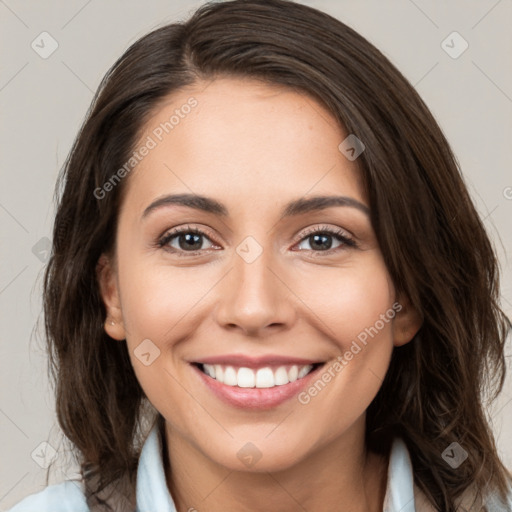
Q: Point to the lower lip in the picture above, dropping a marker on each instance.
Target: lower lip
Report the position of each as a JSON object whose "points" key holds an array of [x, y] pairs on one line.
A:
{"points": [[255, 398]]}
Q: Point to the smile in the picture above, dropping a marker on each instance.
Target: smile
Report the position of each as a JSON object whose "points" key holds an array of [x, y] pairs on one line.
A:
{"points": [[257, 383], [266, 377]]}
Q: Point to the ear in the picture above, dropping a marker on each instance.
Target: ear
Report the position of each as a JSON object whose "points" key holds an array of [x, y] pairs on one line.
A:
{"points": [[109, 291], [407, 321]]}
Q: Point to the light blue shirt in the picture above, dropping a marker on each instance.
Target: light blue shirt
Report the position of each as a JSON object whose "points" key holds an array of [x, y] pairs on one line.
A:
{"points": [[153, 495]]}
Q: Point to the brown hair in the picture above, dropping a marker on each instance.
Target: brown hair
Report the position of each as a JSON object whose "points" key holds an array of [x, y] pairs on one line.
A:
{"points": [[433, 242]]}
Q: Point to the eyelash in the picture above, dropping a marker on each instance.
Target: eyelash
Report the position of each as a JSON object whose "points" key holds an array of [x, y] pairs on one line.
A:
{"points": [[336, 233]]}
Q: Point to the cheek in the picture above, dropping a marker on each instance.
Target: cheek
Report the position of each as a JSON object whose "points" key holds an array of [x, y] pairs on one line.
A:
{"points": [[356, 313], [157, 301], [159, 305], [350, 300]]}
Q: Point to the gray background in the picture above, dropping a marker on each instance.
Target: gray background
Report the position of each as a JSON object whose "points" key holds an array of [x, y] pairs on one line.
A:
{"points": [[43, 102]]}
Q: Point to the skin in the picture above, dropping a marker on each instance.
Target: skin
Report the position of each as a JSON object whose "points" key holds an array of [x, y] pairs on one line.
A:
{"points": [[253, 147]]}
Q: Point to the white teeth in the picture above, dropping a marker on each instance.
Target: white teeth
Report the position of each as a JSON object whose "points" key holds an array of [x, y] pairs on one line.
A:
{"points": [[219, 372], [265, 378], [209, 370], [245, 378], [304, 371], [262, 378], [230, 376], [293, 373], [281, 376]]}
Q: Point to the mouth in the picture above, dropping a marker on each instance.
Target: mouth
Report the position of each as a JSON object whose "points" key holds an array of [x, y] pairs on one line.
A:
{"points": [[261, 378], [256, 386]]}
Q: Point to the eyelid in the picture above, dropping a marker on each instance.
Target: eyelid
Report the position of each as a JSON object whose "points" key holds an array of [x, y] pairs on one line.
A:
{"points": [[171, 233], [331, 230]]}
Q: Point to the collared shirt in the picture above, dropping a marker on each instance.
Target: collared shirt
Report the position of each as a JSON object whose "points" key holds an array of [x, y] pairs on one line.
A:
{"points": [[152, 494]]}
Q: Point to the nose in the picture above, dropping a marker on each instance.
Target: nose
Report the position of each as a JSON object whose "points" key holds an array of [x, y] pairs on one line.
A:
{"points": [[255, 298]]}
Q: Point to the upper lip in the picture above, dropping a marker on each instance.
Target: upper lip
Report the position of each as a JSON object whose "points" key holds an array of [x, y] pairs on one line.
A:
{"points": [[241, 360]]}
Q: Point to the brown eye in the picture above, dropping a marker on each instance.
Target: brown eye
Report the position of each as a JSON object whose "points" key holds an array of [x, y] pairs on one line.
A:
{"points": [[184, 240], [320, 239]]}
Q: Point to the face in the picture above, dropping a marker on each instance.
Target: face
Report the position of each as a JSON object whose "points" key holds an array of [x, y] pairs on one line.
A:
{"points": [[244, 285]]}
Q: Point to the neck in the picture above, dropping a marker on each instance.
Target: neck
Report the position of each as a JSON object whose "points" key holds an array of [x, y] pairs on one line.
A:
{"points": [[342, 475]]}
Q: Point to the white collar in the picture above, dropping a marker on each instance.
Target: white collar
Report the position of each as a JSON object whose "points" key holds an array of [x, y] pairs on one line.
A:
{"points": [[400, 485]]}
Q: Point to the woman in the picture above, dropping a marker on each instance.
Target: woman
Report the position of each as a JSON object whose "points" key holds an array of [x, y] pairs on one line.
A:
{"points": [[209, 353]]}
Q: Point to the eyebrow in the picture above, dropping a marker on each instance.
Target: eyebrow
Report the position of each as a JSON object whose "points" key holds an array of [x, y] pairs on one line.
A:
{"points": [[295, 207]]}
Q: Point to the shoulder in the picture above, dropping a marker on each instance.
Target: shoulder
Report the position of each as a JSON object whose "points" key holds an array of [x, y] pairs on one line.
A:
{"points": [[405, 495], [469, 500], [67, 496]]}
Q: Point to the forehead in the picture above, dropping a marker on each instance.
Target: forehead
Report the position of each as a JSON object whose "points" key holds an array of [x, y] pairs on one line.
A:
{"points": [[242, 140]]}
